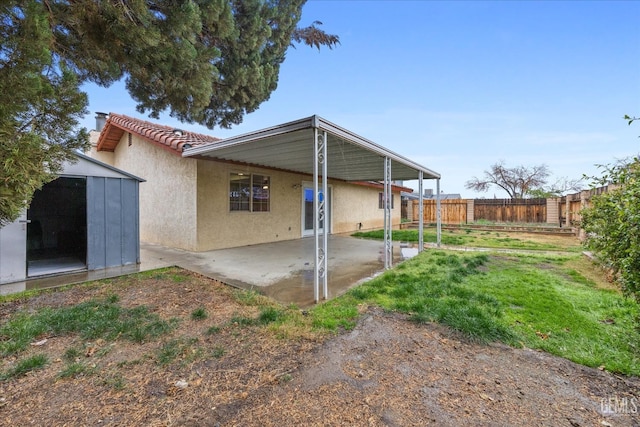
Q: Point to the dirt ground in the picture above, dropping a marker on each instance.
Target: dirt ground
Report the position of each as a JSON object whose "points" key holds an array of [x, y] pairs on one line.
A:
{"points": [[388, 371]]}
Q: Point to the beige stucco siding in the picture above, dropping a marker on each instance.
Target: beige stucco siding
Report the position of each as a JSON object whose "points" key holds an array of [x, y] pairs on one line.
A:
{"points": [[356, 207], [167, 198], [218, 227], [184, 202]]}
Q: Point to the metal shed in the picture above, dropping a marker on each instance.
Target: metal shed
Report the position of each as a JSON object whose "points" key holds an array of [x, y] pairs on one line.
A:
{"points": [[86, 219]]}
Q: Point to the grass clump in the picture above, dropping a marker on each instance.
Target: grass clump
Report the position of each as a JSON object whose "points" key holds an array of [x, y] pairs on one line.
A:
{"points": [[334, 314], [91, 319], [75, 370], [199, 313], [25, 366], [185, 349]]}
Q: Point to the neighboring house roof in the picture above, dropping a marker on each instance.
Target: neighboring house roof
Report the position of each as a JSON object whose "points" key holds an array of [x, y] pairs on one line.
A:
{"points": [[443, 196], [175, 140]]}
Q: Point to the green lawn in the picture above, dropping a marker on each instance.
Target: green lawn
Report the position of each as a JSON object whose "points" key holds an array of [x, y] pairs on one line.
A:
{"points": [[536, 301], [556, 302], [483, 239]]}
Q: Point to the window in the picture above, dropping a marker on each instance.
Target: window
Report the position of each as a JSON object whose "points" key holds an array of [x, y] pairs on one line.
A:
{"points": [[381, 201], [249, 192]]}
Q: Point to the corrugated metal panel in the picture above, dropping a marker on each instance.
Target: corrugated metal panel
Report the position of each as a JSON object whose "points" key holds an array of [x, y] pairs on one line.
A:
{"points": [[130, 233], [112, 222], [84, 166], [113, 237], [290, 147], [96, 225]]}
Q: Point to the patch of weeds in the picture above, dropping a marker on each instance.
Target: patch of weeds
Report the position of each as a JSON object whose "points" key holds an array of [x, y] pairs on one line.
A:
{"points": [[217, 352], [199, 314], [130, 363], [245, 297], [158, 274], [112, 299], [75, 370], [285, 378], [72, 354], [334, 314], [269, 315], [137, 335], [178, 278], [115, 381], [242, 321], [213, 330], [168, 353], [92, 320], [183, 348], [26, 365]]}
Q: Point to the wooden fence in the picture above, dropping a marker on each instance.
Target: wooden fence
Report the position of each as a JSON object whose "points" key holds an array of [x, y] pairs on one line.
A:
{"points": [[451, 211], [510, 210], [564, 211], [461, 211]]}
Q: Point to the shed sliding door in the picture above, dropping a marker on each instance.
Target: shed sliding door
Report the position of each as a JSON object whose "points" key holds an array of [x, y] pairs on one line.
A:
{"points": [[113, 225]]}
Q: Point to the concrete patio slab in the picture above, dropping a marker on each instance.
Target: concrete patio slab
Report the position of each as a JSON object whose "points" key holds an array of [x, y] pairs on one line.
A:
{"points": [[283, 271]]}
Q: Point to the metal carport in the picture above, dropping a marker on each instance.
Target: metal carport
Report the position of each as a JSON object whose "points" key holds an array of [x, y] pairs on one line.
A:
{"points": [[324, 150]]}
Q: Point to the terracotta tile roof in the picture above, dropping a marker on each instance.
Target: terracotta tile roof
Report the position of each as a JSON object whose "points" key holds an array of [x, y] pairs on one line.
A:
{"points": [[165, 136]]}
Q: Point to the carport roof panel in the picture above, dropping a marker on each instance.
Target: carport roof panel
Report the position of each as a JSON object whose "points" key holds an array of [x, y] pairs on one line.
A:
{"points": [[290, 147]]}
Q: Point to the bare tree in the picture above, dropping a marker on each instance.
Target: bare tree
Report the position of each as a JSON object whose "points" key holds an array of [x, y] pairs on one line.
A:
{"points": [[564, 185], [518, 181]]}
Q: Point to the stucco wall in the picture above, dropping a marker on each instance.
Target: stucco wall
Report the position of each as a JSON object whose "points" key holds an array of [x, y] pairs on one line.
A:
{"points": [[167, 198], [218, 227], [356, 208], [104, 156], [185, 202]]}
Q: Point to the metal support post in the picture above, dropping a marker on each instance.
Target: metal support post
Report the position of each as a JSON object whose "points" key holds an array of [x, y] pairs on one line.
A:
{"points": [[438, 216], [325, 218], [420, 213], [387, 199], [319, 217]]}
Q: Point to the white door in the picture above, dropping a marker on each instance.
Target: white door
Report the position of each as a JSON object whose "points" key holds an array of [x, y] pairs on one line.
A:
{"points": [[307, 210], [13, 250]]}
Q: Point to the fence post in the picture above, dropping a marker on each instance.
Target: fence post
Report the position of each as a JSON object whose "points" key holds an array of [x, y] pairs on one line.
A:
{"points": [[470, 211], [553, 211]]}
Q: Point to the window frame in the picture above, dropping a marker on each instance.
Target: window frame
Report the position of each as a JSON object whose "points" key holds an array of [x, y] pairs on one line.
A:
{"points": [[251, 201], [381, 200]]}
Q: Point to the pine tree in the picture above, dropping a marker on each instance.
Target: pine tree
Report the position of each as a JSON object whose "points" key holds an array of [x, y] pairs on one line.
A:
{"points": [[203, 61], [40, 106]]}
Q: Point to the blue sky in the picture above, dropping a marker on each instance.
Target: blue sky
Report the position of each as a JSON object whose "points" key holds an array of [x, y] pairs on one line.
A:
{"points": [[457, 86]]}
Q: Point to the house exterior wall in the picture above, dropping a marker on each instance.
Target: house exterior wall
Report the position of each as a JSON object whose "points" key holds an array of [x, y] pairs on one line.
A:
{"points": [[219, 227], [185, 202], [168, 198], [355, 207]]}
